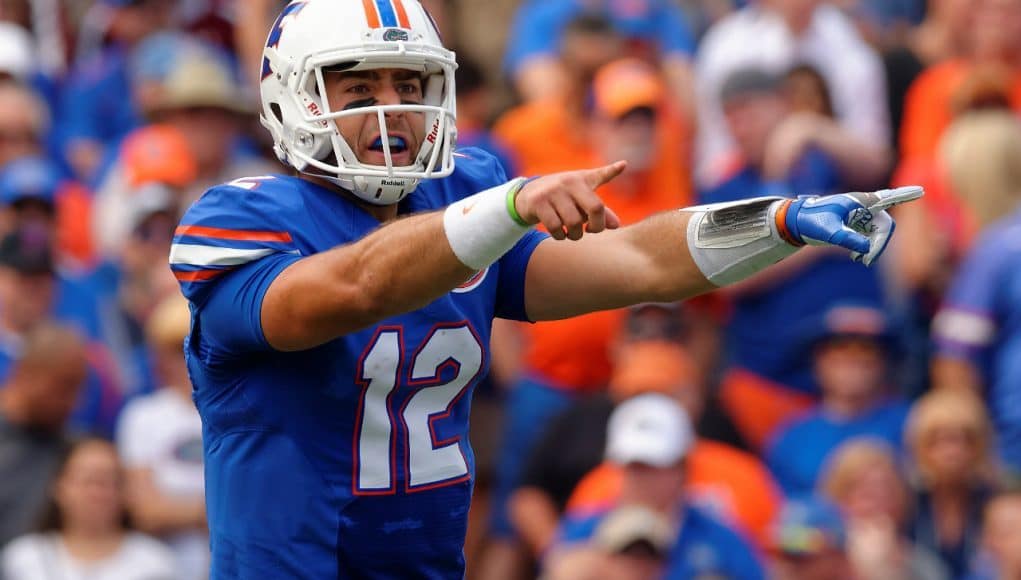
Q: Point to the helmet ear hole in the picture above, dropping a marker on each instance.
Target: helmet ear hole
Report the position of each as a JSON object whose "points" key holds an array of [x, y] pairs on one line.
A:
{"points": [[277, 112]]}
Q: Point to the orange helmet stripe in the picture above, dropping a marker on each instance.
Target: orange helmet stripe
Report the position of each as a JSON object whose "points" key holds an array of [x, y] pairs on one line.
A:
{"points": [[402, 14], [371, 14]]}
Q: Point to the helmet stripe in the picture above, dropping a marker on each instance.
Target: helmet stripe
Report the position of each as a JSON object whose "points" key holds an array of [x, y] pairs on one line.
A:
{"points": [[386, 13], [402, 14], [371, 14]]}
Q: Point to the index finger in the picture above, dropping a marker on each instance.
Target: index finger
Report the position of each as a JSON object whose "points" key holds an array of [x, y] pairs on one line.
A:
{"points": [[888, 198], [603, 175]]}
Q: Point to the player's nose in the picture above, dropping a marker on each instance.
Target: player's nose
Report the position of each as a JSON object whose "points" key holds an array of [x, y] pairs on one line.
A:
{"points": [[388, 95]]}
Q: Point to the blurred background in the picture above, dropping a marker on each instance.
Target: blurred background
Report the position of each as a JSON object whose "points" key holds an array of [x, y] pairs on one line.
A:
{"points": [[820, 420]]}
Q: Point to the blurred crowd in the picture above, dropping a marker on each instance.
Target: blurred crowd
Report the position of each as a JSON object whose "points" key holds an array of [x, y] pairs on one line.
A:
{"points": [[818, 421]]}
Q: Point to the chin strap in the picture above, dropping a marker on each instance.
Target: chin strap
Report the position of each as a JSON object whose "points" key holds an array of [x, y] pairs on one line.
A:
{"points": [[374, 190]]}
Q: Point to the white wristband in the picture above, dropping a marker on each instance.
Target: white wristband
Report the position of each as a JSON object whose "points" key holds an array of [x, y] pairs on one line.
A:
{"points": [[731, 241], [480, 229]]}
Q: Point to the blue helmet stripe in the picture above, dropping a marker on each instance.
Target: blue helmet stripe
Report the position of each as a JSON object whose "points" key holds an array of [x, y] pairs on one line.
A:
{"points": [[386, 13]]}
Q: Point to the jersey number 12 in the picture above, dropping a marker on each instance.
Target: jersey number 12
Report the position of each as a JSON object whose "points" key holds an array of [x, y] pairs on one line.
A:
{"points": [[428, 463]]}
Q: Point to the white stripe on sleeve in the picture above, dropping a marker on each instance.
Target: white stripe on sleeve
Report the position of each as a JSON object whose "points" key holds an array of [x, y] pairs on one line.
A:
{"points": [[964, 327], [197, 255]]}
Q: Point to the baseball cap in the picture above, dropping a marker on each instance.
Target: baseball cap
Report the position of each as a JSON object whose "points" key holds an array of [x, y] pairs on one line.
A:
{"points": [[628, 526], [34, 178], [652, 429], [850, 320], [625, 85], [749, 81], [158, 154], [27, 251], [16, 52], [809, 526]]}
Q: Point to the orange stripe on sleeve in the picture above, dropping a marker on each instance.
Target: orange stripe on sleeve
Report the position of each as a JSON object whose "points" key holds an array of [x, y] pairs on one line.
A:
{"points": [[781, 225], [225, 234], [402, 15], [371, 15], [199, 276]]}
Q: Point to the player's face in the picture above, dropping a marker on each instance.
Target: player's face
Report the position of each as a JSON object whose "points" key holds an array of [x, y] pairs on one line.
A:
{"points": [[347, 91]]}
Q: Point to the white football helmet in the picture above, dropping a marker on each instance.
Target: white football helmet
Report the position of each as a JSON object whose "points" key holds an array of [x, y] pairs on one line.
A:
{"points": [[356, 35]]}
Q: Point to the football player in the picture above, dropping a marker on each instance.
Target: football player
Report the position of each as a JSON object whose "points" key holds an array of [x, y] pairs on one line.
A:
{"points": [[341, 314]]}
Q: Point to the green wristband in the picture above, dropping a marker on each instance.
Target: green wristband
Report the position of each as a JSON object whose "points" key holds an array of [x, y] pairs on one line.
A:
{"points": [[512, 195]]}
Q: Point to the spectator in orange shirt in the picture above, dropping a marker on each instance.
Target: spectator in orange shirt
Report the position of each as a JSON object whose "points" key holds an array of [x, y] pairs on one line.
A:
{"points": [[651, 443], [995, 41], [732, 484], [629, 118], [551, 134], [573, 442]]}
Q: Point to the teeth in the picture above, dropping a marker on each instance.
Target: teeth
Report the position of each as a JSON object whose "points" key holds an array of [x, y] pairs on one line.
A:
{"points": [[397, 142]]}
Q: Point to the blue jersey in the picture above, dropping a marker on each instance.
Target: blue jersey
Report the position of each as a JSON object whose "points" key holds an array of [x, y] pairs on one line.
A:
{"points": [[799, 451], [350, 459], [705, 548], [981, 323]]}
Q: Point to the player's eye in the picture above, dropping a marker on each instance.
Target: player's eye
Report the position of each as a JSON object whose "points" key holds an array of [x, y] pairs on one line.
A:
{"points": [[360, 89], [409, 89]]}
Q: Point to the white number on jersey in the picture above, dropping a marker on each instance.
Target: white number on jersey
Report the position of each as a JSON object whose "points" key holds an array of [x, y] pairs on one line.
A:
{"points": [[429, 462]]}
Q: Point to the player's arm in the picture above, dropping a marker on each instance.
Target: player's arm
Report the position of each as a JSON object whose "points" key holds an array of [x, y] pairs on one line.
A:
{"points": [[400, 267], [678, 254], [410, 262]]}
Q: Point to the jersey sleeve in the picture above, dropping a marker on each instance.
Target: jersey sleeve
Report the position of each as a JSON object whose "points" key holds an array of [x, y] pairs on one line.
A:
{"points": [[966, 324], [510, 295], [227, 251]]}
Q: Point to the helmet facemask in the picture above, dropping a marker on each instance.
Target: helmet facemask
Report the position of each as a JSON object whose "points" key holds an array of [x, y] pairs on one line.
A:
{"points": [[320, 149]]}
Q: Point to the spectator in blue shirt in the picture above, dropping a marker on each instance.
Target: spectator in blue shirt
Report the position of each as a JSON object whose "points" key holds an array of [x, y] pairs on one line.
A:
{"points": [[97, 107], [30, 295], [810, 542], [767, 365], [650, 436], [852, 344], [653, 29], [978, 332], [474, 110], [949, 439]]}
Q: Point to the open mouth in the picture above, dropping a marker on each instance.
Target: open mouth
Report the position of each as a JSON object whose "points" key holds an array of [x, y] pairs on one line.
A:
{"points": [[397, 145]]}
